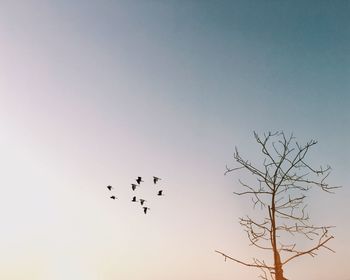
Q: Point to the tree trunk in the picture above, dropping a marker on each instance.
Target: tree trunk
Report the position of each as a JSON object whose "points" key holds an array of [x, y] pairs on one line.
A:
{"points": [[276, 254], [278, 267]]}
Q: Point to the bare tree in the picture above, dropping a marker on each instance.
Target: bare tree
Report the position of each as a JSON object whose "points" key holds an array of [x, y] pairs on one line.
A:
{"points": [[283, 180]]}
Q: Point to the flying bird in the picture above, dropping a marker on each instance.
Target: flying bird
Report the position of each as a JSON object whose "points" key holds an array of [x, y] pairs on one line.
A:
{"points": [[113, 197], [156, 179], [134, 199], [133, 186], [142, 201], [145, 209], [160, 193], [139, 180], [109, 187]]}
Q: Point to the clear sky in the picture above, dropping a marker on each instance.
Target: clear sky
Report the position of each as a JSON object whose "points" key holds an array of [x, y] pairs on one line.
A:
{"points": [[98, 92]]}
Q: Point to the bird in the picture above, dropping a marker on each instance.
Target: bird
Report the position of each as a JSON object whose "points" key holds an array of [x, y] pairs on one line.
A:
{"points": [[139, 180], [109, 187], [156, 179], [113, 197], [142, 201], [134, 199], [133, 186], [145, 209], [160, 193]]}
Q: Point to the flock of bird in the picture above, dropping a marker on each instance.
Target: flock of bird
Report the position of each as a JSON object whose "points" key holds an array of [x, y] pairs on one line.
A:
{"points": [[134, 187]]}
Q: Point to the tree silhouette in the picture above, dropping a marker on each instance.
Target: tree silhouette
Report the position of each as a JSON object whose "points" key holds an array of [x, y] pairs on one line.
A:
{"points": [[283, 180]]}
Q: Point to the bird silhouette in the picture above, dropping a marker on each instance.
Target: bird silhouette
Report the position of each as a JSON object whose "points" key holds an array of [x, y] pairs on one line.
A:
{"points": [[113, 197], [145, 209], [134, 199], [160, 193], [133, 186], [156, 179], [139, 180], [109, 187], [142, 201]]}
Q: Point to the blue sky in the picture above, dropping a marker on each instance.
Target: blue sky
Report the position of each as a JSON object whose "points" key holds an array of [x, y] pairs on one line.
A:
{"points": [[97, 92]]}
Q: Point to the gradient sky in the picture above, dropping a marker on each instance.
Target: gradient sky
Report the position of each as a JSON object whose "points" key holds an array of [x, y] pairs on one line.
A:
{"points": [[98, 92]]}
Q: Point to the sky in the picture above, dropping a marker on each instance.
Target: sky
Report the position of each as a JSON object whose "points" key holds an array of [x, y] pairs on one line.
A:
{"points": [[96, 93]]}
